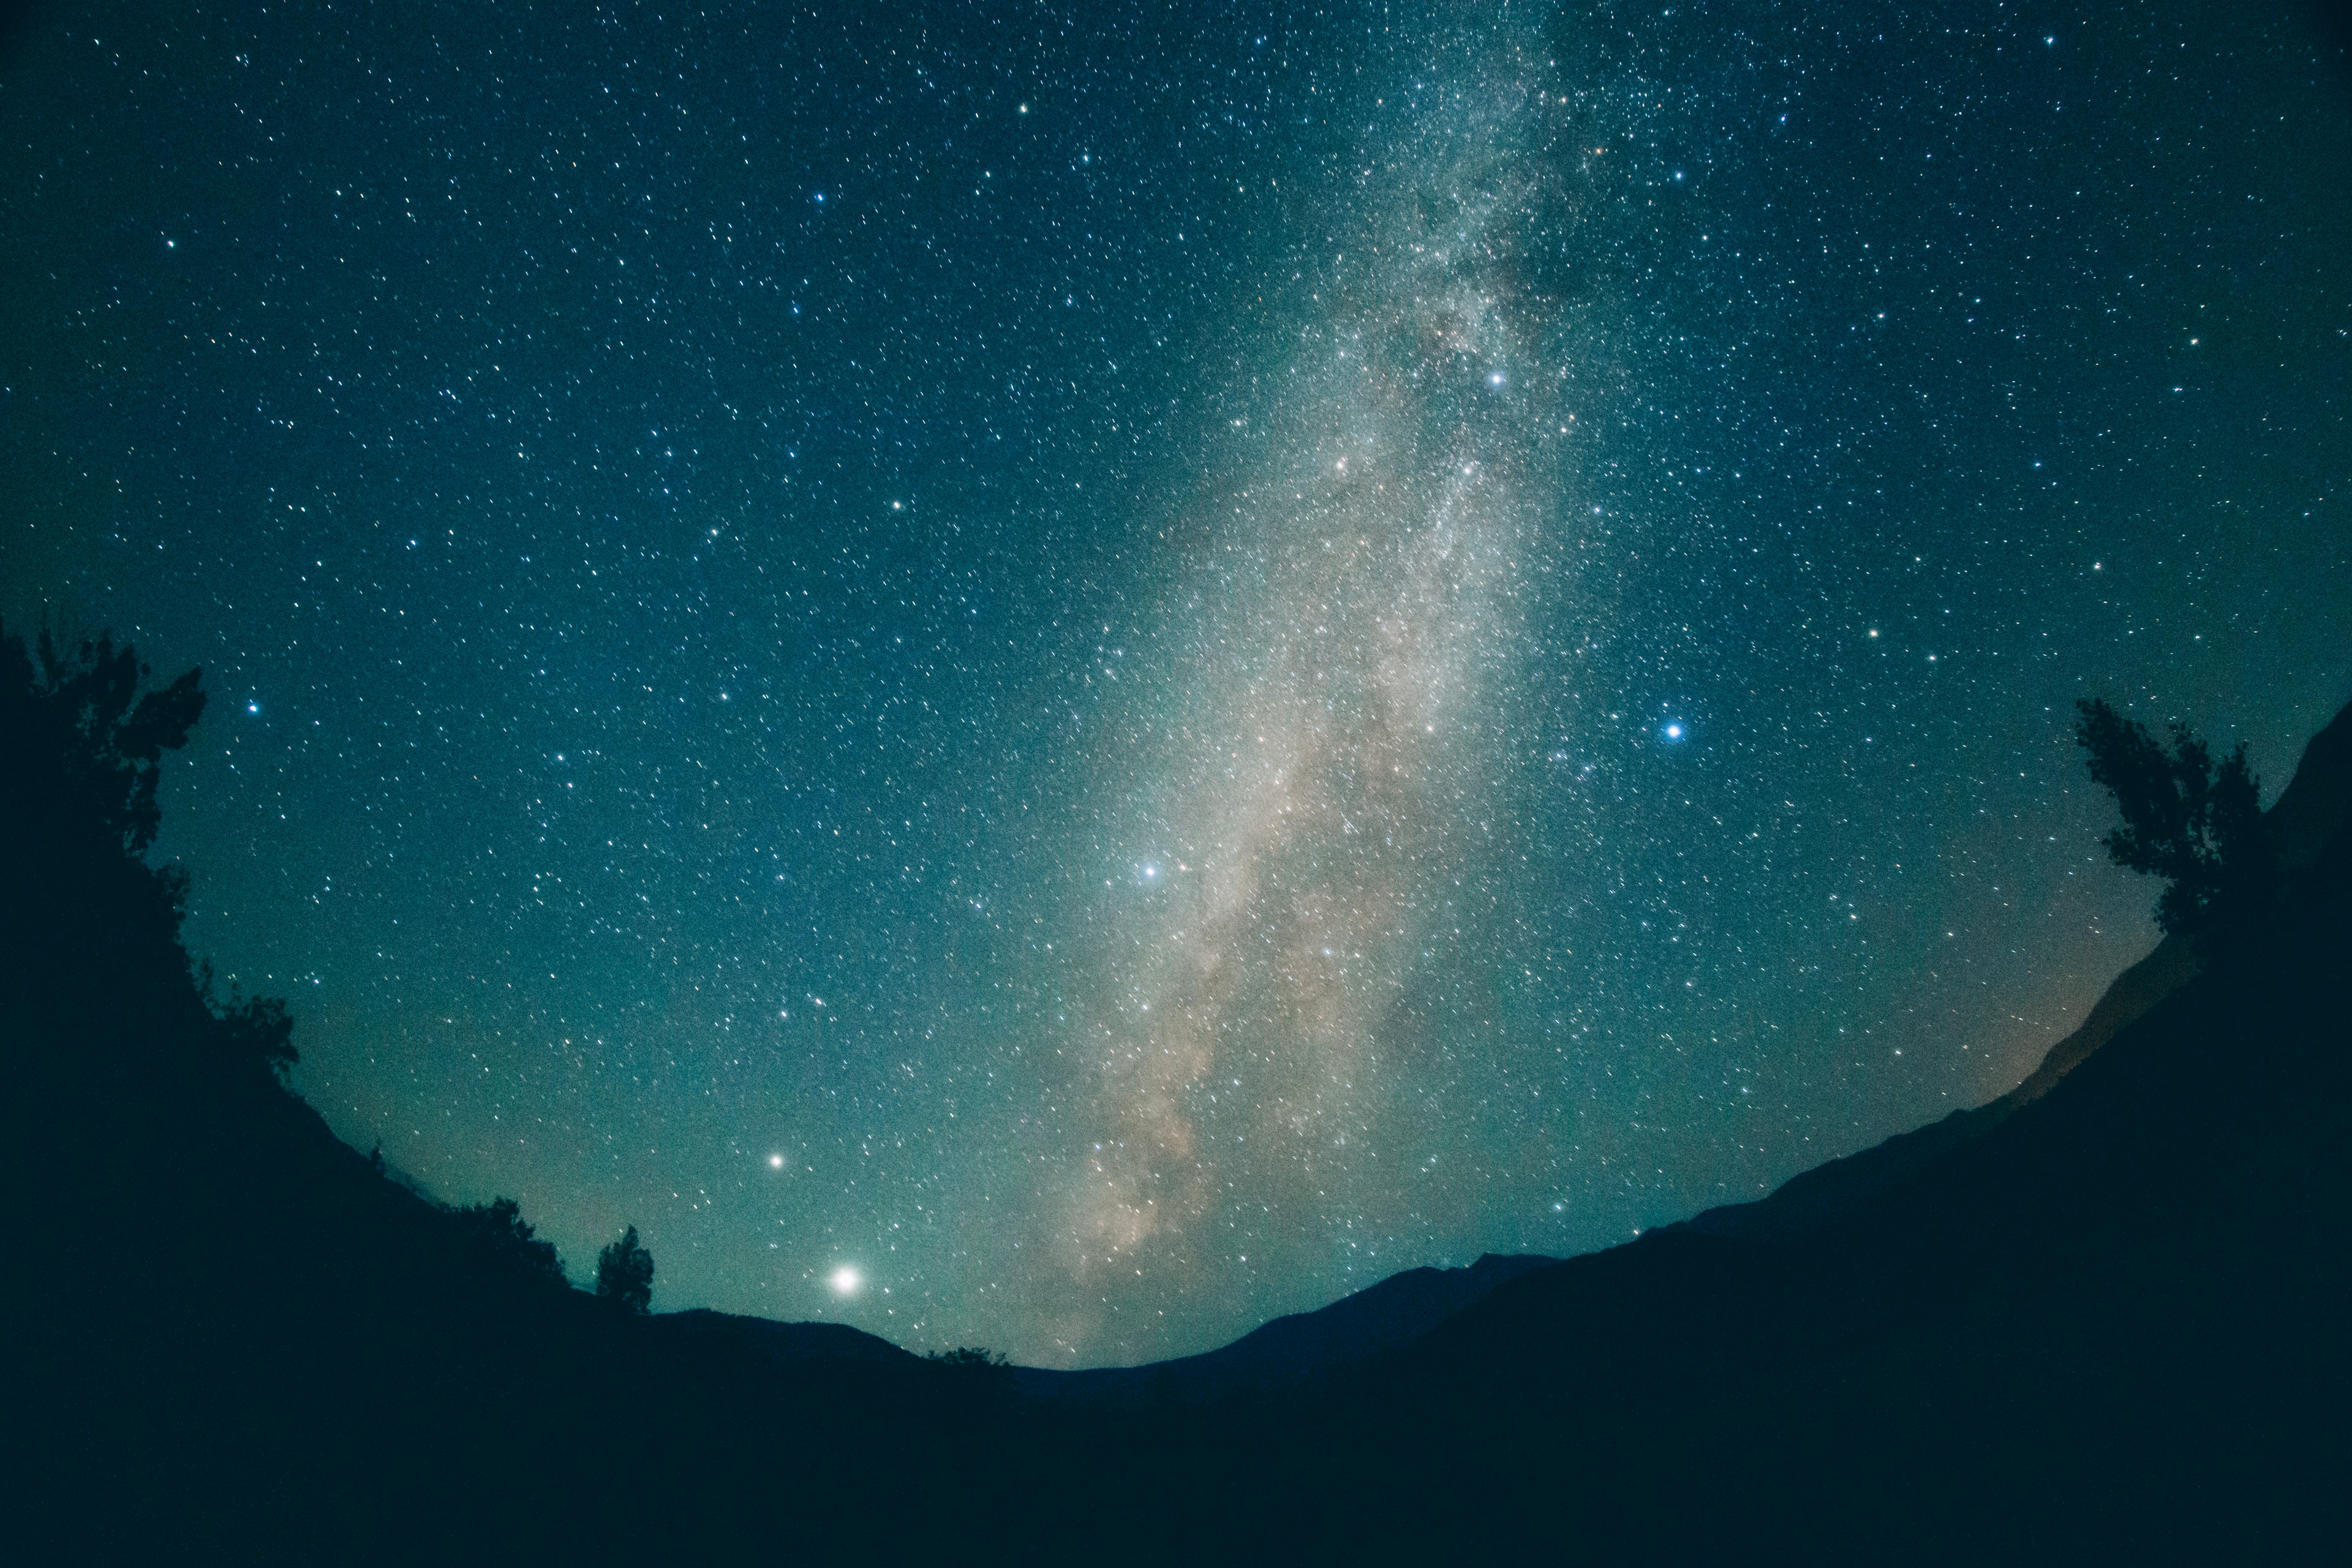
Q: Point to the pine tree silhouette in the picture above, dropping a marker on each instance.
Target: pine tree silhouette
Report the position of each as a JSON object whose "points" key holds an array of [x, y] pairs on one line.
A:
{"points": [[625, 1274], [2196, 823]]}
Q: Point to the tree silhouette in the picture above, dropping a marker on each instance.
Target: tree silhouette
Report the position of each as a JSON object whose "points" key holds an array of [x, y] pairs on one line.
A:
{"points": [[625, 1274], [497, 1232], [83, 716], [2196, 824], [257, 1029], [973, 1366], [81, 748]]}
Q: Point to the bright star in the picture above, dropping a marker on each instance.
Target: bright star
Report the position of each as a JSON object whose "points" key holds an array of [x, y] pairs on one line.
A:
{"points": [[844, 1280], [1674, 732], [775, 1161]]}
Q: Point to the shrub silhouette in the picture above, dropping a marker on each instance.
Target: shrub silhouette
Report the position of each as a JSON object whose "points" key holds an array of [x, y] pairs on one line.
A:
{"points": [[2196, 823], [257, 1029], [973, 1368], [101, 742], [625, 1274], [81, 745], [497, 1232]]}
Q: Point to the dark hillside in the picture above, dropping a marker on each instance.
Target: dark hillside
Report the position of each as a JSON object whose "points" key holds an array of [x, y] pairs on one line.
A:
{"points": [[2108, 1326], [1299, 1346], [2314, 808], [239, 1337], [2114, 1321]]}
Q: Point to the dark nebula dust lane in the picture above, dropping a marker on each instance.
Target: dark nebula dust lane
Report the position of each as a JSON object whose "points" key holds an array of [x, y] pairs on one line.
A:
{"points": [[1065, 677]]}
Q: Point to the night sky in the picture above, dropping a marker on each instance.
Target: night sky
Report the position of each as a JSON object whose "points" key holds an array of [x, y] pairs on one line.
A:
{"points": [[1124, 667]]}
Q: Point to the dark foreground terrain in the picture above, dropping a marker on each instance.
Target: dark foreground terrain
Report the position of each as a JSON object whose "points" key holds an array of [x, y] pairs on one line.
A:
{"points": [[2106, 1318]]}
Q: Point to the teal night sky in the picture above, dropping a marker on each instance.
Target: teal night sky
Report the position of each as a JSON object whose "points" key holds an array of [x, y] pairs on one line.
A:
{"points": [[1121, 667]]}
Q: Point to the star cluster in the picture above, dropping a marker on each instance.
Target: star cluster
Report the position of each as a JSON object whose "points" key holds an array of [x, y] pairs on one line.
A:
{"points": [[1066, 676]]}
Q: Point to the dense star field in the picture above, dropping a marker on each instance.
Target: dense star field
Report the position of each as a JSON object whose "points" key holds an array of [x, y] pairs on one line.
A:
{"points": [[1063, 677]]}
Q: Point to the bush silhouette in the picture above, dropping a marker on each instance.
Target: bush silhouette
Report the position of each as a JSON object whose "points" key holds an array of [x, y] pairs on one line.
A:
{"points": [[81, 719], [973, 1367], [81, 745], [625, 1274], [2196, 823], [498, 1233], [257, 1029]]}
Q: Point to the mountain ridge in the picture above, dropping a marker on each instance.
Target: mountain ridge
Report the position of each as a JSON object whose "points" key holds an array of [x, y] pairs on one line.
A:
{"points": [[2311, 810], [1301, 1347], [1297, 1346], [2109, 1325]]}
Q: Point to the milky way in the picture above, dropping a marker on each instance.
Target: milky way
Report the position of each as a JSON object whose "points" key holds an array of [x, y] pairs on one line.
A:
{"points": [[1325, 748], [1062, 681]]}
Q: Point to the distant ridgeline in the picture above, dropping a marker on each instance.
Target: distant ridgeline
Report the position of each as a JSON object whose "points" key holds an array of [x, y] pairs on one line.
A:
{"points": [[2310, 813], [2102, 1316]]}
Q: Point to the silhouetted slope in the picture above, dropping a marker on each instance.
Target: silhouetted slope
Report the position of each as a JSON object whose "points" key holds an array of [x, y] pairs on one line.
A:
{"points": [[2113, 1322], [2315, 806], [2171, 966], [1297, 1346], [2107, 1327], [776, 1344], [237, 1340]]}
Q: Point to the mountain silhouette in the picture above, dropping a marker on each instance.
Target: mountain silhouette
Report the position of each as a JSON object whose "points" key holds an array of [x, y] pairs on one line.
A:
{"points": [[1297, 1347], [2101, 1319], [2312, 809], [2109, 1322], [781, 1345]]}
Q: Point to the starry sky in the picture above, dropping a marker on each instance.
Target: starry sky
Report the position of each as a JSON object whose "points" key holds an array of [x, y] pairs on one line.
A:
{"points": [[1062, 677]]}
